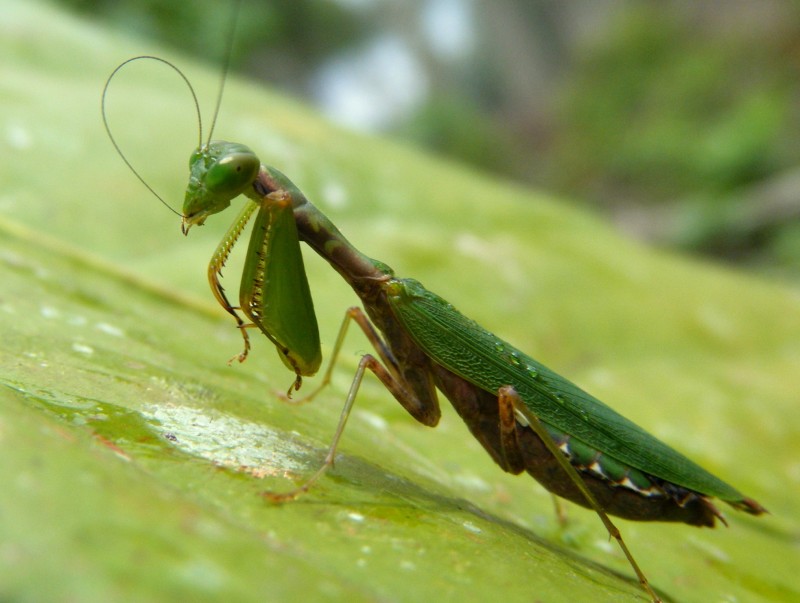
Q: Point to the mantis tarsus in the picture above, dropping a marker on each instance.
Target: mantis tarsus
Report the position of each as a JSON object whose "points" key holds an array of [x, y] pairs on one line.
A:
{"points": [[527, 417]]}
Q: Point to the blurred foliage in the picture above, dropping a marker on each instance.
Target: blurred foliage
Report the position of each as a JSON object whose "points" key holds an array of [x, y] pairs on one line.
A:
{"points": [[666, 109], [280, 41], [678, 120], [703, 114], [461, 131]]}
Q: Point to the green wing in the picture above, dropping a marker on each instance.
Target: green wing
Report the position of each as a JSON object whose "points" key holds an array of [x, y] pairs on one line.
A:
{"points": [[470, 351]]}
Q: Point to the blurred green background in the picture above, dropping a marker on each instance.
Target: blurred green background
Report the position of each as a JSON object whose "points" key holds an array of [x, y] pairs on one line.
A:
{"points": [[677, 120]]}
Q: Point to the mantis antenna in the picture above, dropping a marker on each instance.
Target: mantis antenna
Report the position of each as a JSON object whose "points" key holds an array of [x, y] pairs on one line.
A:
{"points": [[111, 136], [225, 68]]}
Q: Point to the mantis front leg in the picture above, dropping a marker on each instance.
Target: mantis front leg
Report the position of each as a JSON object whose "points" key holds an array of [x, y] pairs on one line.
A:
{"points": [[215, 267]]}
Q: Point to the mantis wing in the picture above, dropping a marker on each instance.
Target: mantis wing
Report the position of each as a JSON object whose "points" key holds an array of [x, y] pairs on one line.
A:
{"points": [[470, 351]]}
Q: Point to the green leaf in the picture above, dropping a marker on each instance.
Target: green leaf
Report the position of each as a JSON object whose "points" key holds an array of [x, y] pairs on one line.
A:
{"points": [[133, 457]]}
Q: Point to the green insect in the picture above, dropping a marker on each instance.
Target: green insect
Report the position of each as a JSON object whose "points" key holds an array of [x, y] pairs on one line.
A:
{"points": [[527, 417]]}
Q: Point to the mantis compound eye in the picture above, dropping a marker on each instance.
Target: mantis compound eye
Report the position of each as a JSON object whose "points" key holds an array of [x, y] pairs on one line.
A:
{"points": [[232, 174]]}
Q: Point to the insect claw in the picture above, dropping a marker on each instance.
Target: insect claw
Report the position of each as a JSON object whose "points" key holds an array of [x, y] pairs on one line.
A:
{"points": [[295, 386], [238, 357], [276, 499]]}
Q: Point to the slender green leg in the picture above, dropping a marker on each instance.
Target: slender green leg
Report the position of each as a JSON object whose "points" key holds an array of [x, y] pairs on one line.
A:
{"points": [[507, 394], [560, 510], [353, 313], [419, 409], [367, 361]]}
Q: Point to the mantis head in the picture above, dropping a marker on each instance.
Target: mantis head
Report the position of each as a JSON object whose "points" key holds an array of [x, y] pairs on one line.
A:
{"points": [[219, 172]]}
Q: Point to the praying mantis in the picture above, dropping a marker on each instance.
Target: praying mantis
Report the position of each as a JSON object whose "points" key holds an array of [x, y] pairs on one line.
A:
{"points": [[527, 417]]}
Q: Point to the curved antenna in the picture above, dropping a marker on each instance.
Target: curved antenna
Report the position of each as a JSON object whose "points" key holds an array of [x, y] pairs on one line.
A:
{"points": [[111, 136], [225, 66]]}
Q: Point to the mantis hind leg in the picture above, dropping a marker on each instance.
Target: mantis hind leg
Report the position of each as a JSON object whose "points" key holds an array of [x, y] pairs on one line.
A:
{"points": [[512, 456], [511, 449], [508, 396]]}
